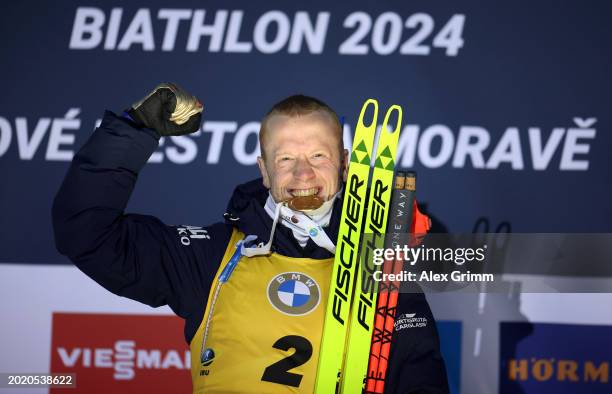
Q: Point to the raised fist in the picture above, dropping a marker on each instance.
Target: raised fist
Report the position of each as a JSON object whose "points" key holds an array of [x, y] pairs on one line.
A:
{"points": [[169, 110]]}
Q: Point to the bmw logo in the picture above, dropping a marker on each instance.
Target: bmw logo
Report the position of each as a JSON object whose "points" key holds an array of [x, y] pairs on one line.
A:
{"points": [[294, 293]]}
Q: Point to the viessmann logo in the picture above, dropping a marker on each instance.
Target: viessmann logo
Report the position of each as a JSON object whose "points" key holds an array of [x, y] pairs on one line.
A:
{"points": [[121, 353]]}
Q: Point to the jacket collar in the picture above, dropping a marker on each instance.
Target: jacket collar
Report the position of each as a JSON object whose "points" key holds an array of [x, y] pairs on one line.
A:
{"points": [[246, 212]]}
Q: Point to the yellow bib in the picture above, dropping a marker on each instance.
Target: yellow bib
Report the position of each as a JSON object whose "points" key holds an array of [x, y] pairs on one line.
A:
{"points": [[262, 326]]}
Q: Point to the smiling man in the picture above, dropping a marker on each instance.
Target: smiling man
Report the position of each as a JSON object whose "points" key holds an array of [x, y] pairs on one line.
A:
{"points": [[302, 150], [252, 289]]}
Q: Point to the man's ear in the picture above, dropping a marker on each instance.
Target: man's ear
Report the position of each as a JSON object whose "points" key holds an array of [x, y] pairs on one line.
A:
{"points": [[345, 162], [264, 172]]}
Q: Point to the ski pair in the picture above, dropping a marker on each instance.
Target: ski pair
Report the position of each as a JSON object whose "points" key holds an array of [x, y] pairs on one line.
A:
{"points": [[398, 230], [349, 316]]}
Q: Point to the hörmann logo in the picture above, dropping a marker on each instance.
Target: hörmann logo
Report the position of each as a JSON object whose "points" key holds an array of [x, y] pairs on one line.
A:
{"points": [[348, 247], [378, 212], [558, 370]]}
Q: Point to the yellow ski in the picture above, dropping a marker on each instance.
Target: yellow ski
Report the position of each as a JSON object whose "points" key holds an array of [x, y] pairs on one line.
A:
{"points": [[361, 323], [347, 254]]}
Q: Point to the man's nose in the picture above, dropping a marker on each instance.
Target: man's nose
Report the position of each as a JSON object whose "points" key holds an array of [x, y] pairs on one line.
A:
{"points": [[303, 170]]}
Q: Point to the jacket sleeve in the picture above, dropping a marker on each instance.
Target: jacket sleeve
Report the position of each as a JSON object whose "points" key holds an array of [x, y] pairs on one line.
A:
{"points": [[415, 362], [134, 256]]}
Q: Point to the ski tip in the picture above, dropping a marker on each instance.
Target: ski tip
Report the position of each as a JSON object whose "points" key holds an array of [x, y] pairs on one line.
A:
{"points": [[364, 108], [398, 121]]}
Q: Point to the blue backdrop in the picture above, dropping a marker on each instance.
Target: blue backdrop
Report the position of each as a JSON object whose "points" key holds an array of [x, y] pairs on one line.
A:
{"points": [[506, 106]]}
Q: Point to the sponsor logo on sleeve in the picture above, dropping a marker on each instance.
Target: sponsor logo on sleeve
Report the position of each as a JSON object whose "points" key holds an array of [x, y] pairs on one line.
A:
{"points": [[187, 233], [409, 320]]}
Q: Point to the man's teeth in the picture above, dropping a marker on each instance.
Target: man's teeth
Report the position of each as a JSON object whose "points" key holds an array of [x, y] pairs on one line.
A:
{"points": [[304, 192]]}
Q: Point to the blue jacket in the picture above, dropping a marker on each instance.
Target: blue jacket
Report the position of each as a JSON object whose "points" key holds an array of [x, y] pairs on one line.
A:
{"points": [[139, 257]]}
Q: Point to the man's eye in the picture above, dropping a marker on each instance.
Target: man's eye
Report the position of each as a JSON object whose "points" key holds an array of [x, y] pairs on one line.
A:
{"points": [[318, 155], [285, 158]]}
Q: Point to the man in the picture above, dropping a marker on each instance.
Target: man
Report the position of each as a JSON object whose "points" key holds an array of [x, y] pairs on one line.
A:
{"points": [[252, 289]]}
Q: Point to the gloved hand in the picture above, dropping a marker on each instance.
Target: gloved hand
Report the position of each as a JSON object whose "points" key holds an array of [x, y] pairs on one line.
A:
{"points": [[169, 110]]}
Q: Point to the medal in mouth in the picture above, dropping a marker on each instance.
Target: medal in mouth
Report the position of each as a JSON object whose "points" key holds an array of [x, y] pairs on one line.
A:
{"points": [[304, 199]]}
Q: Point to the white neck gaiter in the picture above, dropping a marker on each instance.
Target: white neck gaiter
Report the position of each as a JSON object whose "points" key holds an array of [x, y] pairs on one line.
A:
{"points": [[302, 226]]}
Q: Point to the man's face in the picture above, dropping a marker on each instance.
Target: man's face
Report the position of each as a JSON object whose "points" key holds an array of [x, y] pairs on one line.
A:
{"points": [[302, 157]]}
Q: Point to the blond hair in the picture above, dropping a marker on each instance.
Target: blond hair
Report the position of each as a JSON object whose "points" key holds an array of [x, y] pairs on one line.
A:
{"points": [[299, 105]]}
